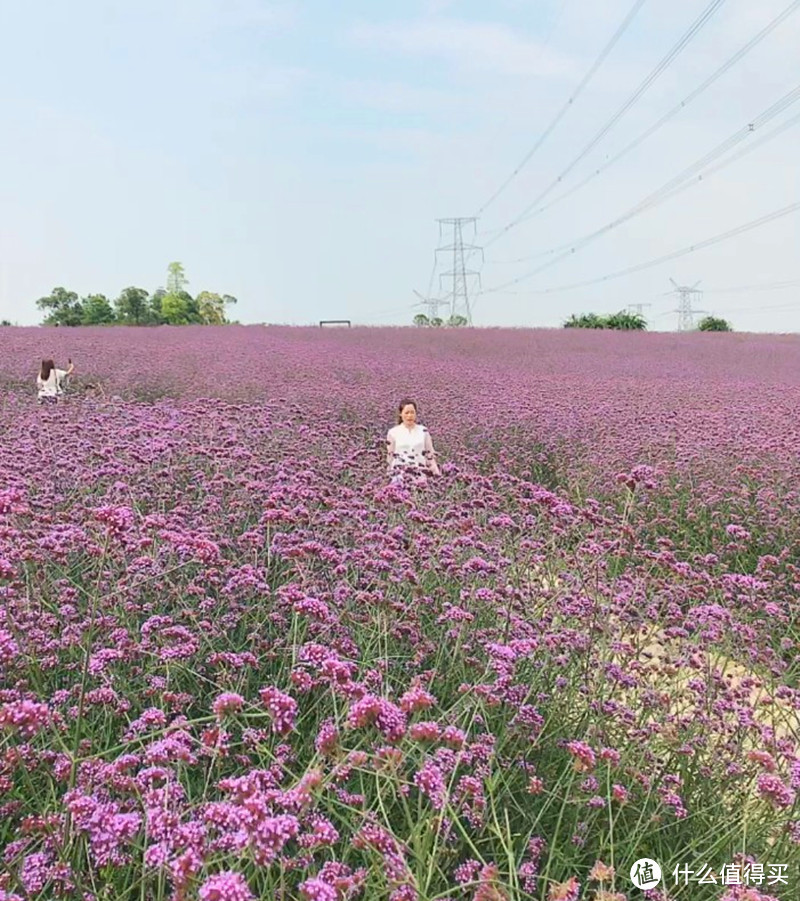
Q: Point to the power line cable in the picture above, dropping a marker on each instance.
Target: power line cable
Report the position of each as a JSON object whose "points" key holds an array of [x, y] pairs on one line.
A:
{"points": [[740, 54], [428, 300], [381, 314], [430, 280], [786, 307], [693, 30], [554, 24], [674, 186], [735, 157], [731, 233], [570, 101], [769, 286], [491, 142]]}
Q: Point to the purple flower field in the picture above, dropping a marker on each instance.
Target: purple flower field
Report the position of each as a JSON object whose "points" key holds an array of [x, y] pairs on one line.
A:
{"points": [[236, 663]]}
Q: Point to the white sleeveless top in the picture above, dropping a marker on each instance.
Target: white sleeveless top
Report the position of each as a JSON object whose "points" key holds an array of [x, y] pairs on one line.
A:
{"points": [[53, 386], [409, 445]]}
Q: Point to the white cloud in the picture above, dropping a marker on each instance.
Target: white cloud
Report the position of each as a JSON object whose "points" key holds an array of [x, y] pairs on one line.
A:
{"points": [[483, 46]]}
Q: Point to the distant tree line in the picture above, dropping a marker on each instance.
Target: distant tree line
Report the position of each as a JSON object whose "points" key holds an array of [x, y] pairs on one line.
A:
{"points": [[624, 321], [172, 305], [714, 324], [437, 322]]}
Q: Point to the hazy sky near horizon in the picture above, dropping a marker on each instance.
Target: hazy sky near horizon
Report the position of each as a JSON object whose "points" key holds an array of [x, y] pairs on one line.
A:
{"points": [[297, 154]]}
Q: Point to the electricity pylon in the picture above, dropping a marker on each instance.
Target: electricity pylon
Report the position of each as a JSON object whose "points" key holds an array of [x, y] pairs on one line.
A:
{"points": [[432, 304], [686, 309], [460, 275]]}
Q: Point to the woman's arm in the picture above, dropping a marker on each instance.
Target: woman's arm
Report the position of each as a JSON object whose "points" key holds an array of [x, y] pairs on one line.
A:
{"points": [[390, 449], [430, 454], [71, 367]]}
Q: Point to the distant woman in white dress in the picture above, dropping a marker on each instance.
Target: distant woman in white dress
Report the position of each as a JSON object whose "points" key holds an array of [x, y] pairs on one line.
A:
{"points": [[409, 447], [51, 381]]}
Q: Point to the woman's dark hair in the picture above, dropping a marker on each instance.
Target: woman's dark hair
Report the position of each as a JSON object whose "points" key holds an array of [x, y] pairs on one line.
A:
{"points": [[404, 403], [47, 367]]}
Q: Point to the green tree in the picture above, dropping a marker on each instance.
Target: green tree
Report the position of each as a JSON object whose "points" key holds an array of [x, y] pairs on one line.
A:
{"points": [[179, 309], [437, 321], [625, 321], [132, 306], [714, 324], [585, 320], [421, 320], [176, 278], [155, 311], [6, 322], [457, 321], [211, 307], [97, 310], [622, 321], [191, 307], [62, 307]]}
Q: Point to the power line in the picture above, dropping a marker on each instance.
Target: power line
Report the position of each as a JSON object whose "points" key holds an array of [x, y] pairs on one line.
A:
{"points": [[769, 136], [570, 101], [430, 302], [382, 314], [742, 52], [491, 142], [735, 157], [769, 286], [675, 185], [696, 26], [786, 307], [731, 233], [433, 273], [781, 307], [554, 24]]}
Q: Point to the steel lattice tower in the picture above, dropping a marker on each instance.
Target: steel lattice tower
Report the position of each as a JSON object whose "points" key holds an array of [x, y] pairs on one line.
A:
{"points": [[460, 275], [432, 304], [686, 309]]}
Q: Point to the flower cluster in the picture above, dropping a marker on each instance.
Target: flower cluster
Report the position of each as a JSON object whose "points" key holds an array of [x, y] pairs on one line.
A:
{"points": [[234, 663]]}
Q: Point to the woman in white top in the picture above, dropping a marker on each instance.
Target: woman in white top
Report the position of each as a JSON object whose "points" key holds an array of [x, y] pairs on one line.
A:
{"points": [[51, 381], [409, 447]]}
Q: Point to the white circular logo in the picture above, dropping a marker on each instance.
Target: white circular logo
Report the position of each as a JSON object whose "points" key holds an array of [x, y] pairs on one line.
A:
{"points": [[645, 873]]}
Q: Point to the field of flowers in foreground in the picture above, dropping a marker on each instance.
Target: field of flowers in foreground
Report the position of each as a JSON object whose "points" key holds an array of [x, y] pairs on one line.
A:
{"points": [[235, 664]]}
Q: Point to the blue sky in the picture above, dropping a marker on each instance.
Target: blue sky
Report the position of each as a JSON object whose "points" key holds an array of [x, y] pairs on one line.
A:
{"points": [[296, 154]]}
